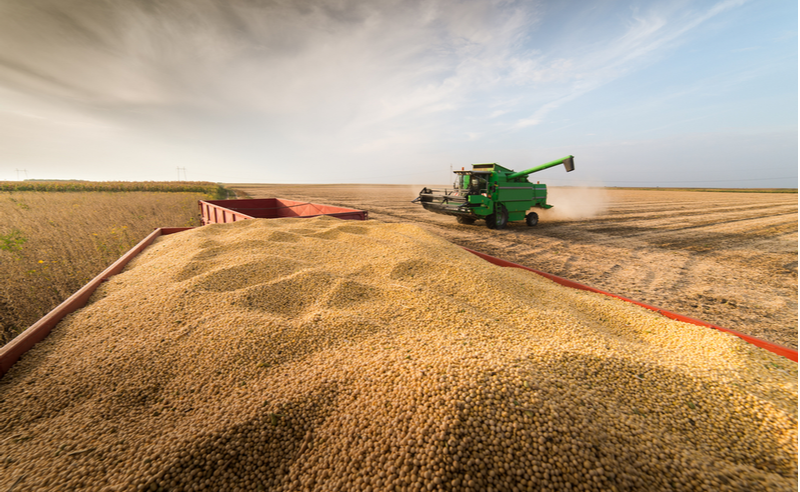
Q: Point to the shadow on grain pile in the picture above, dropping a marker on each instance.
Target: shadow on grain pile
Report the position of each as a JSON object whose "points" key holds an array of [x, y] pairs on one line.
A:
{"points": [[320, 354]]}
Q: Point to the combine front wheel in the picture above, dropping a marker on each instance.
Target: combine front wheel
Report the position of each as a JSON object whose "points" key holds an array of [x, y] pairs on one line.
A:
{"points": [[498, 219], [502, 217], [532, 219]]}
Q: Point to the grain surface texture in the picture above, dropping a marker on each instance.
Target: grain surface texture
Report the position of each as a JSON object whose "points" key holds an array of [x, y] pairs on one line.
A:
{"points": [[319, 354]]}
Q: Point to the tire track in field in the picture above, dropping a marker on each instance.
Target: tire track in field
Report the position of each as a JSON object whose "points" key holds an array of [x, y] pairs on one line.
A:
{"points": [[666, 224]]}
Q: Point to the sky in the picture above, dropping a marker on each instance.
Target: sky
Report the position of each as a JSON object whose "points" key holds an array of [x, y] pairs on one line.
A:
{"points": [[669, 93]]}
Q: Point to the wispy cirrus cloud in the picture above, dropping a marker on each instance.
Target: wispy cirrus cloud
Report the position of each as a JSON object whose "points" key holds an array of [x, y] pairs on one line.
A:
{"points": [[645, 38]]}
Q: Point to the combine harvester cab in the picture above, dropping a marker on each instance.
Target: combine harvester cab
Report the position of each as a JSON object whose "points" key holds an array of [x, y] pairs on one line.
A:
{"points": [[492, 193]]}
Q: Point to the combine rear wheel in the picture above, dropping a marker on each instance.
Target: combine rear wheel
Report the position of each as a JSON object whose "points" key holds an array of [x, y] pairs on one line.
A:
{"points": [[465, 220], [532, 219]]}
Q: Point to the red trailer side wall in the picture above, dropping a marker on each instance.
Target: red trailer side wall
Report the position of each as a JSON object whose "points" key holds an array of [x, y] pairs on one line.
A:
{"points": [[223, 211]]}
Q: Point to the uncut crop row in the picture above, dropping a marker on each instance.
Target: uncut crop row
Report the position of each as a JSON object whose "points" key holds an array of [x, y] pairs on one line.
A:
{"points": [[51, 244], [115, 186]]}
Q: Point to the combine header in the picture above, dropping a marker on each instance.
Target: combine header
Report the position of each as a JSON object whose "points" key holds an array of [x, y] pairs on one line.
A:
{"points": [[492, 193]]}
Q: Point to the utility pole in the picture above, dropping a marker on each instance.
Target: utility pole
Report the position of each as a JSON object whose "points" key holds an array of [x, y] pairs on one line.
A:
{"points": [[184, 173], [24, 171]]}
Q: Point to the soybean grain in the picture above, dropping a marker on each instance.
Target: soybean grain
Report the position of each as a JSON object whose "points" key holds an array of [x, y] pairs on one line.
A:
{"points": [[320, 354]]}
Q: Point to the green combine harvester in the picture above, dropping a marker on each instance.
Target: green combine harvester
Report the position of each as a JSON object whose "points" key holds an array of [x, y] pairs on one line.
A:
{"points": [[492, 193]]}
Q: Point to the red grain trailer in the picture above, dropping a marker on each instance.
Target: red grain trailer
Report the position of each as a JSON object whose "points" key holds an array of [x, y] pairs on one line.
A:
{"points": [[224, 211]]}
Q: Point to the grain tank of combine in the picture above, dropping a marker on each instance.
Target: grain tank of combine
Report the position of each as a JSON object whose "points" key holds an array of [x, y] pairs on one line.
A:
{"points": [[492, 193]]}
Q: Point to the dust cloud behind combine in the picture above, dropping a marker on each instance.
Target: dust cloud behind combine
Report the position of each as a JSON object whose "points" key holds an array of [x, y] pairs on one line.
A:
{"points": [[575, 203]]}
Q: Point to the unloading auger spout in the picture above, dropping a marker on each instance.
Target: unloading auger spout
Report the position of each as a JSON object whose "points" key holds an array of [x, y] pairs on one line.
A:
{"points": [[568, 161]]}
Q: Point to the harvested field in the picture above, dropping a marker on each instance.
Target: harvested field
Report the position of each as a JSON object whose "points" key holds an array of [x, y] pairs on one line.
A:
{"points": [[332, 355], [728, 258]]}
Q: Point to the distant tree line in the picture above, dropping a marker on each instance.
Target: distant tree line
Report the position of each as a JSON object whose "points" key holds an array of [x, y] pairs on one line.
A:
{"points": [[213, 189]]}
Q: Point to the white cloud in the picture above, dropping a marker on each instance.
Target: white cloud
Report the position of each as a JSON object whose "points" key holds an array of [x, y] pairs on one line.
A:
{"points": [[370, 62]]}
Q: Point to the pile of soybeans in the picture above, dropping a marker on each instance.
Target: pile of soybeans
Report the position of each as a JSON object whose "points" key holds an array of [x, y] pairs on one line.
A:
{"points": [[319, 354]]}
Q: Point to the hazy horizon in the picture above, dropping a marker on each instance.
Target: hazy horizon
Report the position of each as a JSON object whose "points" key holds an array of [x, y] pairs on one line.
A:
{"points": [[434, 185]]}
